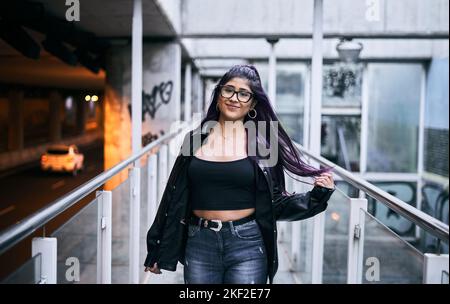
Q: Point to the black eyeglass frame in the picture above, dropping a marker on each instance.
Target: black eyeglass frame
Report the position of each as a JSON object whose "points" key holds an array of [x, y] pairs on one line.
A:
{"points": [[235, 92]]}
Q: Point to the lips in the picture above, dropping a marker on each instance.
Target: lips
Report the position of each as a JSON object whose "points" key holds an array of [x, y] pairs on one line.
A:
{"points": [[231, 107]]}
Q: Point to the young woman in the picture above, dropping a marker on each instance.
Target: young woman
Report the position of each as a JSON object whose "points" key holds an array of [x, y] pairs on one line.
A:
{"points": [[219, 209]]}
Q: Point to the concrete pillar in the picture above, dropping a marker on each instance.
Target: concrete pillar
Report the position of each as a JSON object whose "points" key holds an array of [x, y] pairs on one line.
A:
{"points": [[16, 121], [188, 92], [81, 116], [117, 120], [198, 98], [272, 73], [315, 127], [161, 67], [56, 103]]}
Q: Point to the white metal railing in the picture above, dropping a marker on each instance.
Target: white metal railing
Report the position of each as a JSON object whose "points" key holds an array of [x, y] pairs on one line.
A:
{"points": [[157, 166], [303, 247], [434, 265]]}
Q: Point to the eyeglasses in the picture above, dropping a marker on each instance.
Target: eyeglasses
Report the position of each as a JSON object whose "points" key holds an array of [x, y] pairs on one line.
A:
{"points": [[228, 92]]}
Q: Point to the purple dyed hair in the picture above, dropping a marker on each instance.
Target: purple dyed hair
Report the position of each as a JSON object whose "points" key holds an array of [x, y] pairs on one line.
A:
{"points": [[289, 156]]}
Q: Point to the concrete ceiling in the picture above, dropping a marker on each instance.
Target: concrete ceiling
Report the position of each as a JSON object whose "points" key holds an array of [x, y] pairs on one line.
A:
{"points": [[110, 20], [113, 18]]}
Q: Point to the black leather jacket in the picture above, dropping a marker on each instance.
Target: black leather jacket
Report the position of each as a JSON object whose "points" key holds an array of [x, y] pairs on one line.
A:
{"points": [[166, 237]]}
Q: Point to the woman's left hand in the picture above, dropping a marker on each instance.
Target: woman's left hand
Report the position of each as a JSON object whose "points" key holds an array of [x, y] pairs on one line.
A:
{"points": [[324, 180]]}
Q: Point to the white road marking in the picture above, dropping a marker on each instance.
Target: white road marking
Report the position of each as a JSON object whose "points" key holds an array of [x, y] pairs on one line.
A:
{"points": [[7, 210], [58, 184]]}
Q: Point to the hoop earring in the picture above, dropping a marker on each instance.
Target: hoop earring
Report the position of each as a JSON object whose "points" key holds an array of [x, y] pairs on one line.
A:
{"points": [[253, 115]]}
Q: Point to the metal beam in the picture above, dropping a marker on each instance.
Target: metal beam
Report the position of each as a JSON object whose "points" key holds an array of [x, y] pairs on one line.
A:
{"points": [[331, 35]]}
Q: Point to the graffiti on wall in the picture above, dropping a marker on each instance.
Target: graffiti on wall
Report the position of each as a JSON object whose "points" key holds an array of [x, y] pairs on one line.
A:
{"points": [[160, 94], [149, 137]]}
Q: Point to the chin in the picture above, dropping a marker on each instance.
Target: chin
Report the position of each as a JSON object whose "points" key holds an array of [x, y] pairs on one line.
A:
{"points": [[232, 116]]}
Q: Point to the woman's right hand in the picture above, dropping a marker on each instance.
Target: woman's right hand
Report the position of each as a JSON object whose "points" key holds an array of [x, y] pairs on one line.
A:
{"points": [[153, 269]]}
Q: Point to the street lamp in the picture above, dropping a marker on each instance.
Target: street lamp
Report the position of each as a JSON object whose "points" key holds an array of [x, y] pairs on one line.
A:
{"points": [[349, 50]]}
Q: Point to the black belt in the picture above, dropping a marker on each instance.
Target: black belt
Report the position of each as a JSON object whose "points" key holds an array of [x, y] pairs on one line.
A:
{"points": [[216, 225]]}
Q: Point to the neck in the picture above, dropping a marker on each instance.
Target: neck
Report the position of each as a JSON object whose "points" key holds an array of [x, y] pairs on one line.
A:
{"points": [[228, 127]]}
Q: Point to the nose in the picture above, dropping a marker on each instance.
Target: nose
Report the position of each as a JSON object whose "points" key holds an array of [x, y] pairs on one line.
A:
{"points": [[234, 97]]}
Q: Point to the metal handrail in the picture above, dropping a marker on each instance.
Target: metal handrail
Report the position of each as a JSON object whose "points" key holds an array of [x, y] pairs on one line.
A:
{"points": [[11, 236], [420, 218]]}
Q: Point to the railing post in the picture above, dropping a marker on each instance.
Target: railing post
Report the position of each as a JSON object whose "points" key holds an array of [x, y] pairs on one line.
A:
{"points": [[356, 240], [135, 198], [435, 268], [162, 167], [104, 236], [152, 187], [47, 247]]}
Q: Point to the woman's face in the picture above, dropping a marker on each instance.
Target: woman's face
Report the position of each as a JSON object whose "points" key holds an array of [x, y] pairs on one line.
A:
{"points": [[231, 106]]}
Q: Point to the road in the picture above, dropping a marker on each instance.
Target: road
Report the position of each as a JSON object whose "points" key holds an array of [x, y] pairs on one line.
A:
{"points": [[25, 192]]}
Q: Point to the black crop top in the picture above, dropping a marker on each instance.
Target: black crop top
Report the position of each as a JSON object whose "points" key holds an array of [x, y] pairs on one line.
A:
{"points": [[221, 185]]}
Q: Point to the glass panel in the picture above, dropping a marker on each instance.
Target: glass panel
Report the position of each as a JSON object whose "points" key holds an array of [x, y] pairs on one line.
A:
{"points": [[77, 247], [387, 258], [445, 277], [406, 191], [348, 189], [306, 246], [120, 232], [394, 95], [336, 238], [434, 203], [306, 233], [342, 85], [340, 141], [28, 273]]}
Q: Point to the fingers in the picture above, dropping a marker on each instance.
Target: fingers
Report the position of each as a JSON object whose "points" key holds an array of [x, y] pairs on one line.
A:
{"points": [[324, 180], [153, 269]]}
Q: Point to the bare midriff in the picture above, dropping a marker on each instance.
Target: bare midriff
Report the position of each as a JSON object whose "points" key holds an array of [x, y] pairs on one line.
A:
{"points": [[224, 215]]}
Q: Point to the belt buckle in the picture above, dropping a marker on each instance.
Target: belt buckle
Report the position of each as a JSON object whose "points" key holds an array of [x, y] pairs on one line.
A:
{"points": [[219, 222]]}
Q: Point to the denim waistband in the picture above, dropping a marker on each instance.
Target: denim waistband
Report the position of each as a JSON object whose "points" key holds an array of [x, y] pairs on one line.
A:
{"points": [[217, 225]]}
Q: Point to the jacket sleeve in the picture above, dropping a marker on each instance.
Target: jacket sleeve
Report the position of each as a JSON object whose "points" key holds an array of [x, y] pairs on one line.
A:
{"points": [[299, 206], [154, 234]]}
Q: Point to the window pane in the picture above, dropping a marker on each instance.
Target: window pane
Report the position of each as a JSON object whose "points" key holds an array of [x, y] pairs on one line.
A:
{"points": [[436, 118], [341, 140], [394, 96], [290, 98], [290, 95], [342, 85]]}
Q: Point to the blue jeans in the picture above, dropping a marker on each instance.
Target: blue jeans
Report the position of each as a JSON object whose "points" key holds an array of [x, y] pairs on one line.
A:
{"points": [[233, 255]]}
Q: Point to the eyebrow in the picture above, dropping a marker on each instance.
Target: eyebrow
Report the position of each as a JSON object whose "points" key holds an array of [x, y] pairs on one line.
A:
{"points": [[240, 89]]}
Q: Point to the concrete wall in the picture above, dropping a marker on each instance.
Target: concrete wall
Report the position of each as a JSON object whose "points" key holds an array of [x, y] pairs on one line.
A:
{"points": [[161, 85], [293, 16]]}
